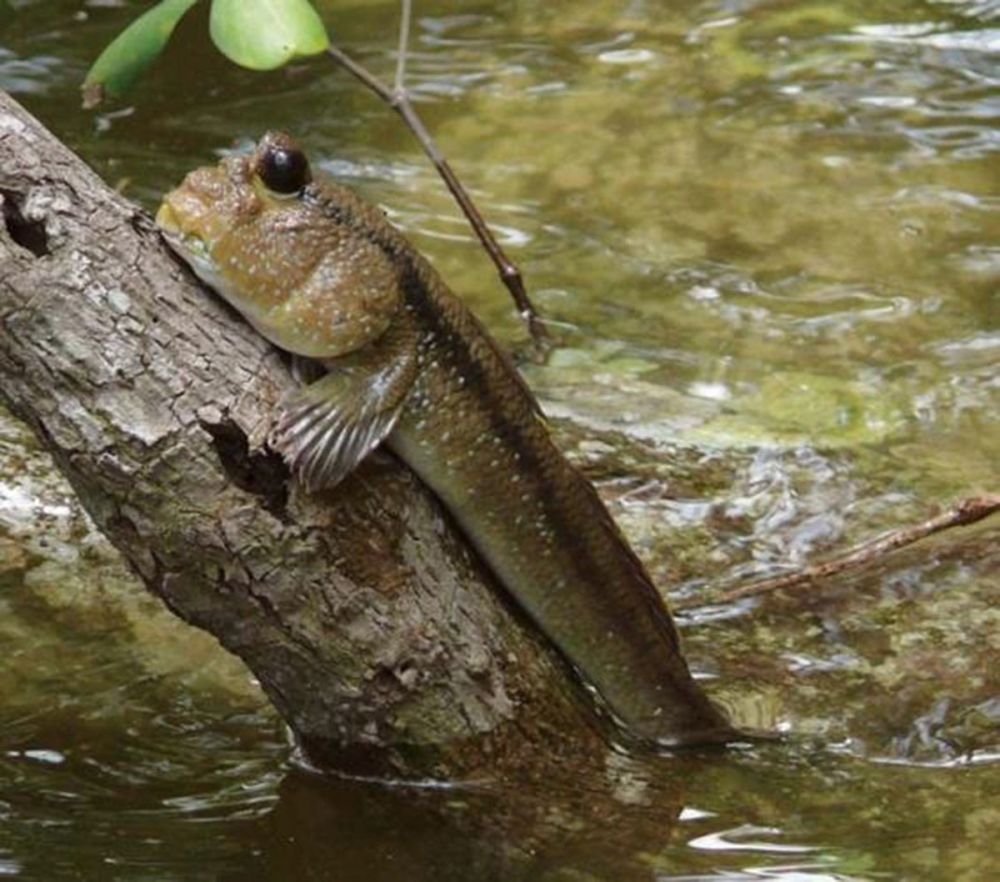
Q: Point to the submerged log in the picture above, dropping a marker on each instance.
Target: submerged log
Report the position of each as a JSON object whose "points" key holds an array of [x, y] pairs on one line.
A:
{"points": [[378, 637]]}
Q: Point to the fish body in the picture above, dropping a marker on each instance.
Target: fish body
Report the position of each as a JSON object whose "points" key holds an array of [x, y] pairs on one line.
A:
{"points": [[322, 274]]}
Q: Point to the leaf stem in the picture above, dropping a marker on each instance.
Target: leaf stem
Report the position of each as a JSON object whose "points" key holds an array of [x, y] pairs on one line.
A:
{"points": [[398, 98], [405, 13]]}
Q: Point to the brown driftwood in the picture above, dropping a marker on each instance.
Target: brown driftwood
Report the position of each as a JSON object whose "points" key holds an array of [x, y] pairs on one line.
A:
{"points": [[374, 632], [964, 512]]}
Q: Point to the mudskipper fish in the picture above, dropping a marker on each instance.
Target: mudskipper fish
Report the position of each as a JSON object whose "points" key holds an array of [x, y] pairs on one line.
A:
{"points": [[322, 274]]}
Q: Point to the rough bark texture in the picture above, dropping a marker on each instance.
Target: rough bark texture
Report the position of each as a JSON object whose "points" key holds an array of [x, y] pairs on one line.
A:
{"points": [[373, 631]]}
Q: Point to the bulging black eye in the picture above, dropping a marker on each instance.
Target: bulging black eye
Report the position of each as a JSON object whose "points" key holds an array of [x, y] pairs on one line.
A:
{"points": [[282, 166]]}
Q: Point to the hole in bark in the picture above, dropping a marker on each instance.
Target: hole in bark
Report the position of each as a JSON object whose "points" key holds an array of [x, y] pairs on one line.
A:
{"points": [[29, 234], [264, 474]]}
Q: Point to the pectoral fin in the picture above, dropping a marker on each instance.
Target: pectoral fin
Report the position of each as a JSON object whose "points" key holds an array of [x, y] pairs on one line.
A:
{"points": [[326, 428]]}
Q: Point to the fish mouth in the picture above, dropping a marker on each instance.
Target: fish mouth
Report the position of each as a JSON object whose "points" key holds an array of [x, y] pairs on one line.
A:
{"points": [[166, 219], [173, 230], [192, 248]]}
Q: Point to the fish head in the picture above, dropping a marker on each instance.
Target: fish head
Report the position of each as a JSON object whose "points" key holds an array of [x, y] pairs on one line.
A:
{"points": [[264, 235]]}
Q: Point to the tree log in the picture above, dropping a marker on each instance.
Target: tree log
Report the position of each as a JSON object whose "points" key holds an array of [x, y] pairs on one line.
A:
{"points": [[379, 638]]}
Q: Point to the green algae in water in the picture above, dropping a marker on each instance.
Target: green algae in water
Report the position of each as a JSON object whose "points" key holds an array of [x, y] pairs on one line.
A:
{"points": [[792, 407]]}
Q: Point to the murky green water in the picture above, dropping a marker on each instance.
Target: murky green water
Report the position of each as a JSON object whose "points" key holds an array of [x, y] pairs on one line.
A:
{"points": [[769, 233]]}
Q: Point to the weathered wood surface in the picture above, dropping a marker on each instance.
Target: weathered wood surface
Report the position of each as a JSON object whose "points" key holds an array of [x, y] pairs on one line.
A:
{"points": [[374, 632]]}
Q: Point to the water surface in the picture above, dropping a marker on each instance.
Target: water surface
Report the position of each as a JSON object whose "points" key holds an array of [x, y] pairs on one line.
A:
{"points": [[768, 235]]}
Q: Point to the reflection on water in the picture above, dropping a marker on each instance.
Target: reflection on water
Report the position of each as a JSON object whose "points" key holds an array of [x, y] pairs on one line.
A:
{"points": [[767, 233]]}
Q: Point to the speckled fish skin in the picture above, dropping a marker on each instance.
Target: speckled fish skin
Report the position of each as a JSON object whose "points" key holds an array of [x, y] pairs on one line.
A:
{"points": [[468, 426]]}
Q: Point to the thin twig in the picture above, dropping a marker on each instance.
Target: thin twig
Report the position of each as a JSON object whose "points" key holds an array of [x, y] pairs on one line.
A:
{"points": [[362, 73], [399, 99], [405, 14], [964, 512]]}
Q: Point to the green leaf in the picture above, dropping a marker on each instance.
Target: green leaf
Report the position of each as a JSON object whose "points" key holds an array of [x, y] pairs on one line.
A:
{"points": [[132, 51], [265, 34]]}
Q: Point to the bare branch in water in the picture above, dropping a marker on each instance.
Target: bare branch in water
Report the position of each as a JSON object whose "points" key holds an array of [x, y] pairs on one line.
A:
{"points": [[405, 14], [964, 512], [398, 98]]}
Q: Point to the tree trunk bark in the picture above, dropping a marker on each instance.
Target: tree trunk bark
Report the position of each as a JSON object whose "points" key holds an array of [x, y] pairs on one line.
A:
{"points": [[377, 636]]}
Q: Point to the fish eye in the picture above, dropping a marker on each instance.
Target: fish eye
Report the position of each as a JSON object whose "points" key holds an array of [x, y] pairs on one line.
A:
{"points": [[282, 166]]}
